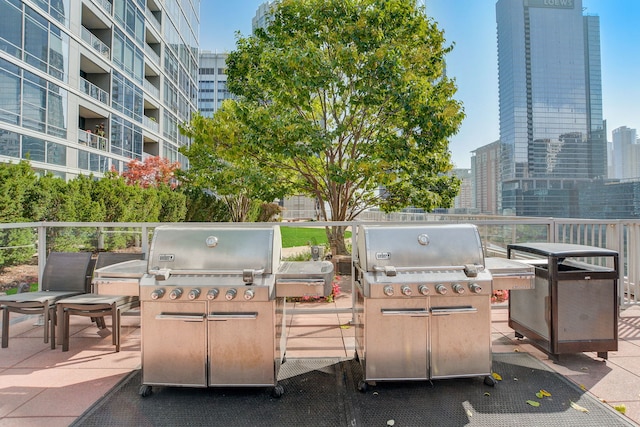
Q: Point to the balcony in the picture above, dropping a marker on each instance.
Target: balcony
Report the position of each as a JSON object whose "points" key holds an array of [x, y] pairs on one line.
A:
{"points": [[151, 89], [106, 5], [150, 123], [152, 20], [152, 54], [96, 43], [92, 140], [94, 91]]}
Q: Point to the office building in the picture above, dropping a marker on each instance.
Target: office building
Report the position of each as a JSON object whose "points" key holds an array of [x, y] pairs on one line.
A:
{"points": [[552, 132], [212, 82], [625, 163], [88, 85]]}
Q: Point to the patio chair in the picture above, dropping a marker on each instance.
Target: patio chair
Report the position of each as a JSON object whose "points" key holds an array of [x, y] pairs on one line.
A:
{"points": [[98, 306], [65, 274]]}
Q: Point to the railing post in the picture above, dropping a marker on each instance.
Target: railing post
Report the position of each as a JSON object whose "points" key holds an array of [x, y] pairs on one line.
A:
{"points": [[42, 252]]}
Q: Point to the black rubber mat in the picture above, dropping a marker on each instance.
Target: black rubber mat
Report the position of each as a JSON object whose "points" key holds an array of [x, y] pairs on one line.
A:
{"points": [[324, 392]]}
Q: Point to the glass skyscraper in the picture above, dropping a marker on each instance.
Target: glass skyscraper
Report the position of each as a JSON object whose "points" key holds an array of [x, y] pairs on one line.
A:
{"points": [[87, 85], [552, 132]]}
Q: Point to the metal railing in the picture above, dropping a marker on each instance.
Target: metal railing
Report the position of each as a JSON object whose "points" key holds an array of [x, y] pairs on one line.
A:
{"points": [[97, 44], [92, 140], [94, 91], [496, 233]]}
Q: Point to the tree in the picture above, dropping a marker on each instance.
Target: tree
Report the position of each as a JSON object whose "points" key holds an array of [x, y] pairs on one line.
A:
{"points": [[347, 102], [152, 172], [219, 166]]}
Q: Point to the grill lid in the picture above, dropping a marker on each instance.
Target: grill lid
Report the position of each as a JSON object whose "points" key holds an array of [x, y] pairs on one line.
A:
{"points": [[392, 249], [205, 249]]}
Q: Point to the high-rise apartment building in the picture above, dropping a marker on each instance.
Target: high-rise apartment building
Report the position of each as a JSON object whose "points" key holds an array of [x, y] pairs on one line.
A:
{"points": [[87, 85], [552, 132], [485, 173], [212, 82]]}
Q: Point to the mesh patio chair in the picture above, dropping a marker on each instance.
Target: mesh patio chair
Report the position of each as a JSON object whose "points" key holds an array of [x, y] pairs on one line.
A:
{"points": [[65, 274], [98, 306]]}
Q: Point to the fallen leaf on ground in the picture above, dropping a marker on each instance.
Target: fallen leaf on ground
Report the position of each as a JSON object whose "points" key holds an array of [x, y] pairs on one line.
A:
{"points": [[496, 376], [577, 407], [486, 393], [582, 387], [345, 326], [533, 403], [621, 408]]}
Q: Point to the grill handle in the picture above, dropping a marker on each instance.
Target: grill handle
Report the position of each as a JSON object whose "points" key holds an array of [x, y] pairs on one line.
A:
{"points": [[233, 316], [420, 312], [445, 311], [183, 317], [204, 272], [385, 269]]}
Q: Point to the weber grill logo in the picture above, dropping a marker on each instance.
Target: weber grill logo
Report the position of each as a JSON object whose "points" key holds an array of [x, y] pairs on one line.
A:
{"points": [[166, 257], [383, 255]]}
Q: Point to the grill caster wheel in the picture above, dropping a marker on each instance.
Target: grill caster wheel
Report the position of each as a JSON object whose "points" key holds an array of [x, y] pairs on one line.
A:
{"points": [[490, 381], [277, 391], [145, 391], [362, 386]]}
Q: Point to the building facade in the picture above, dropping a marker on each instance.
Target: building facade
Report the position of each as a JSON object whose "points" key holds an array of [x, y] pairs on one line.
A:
{"points": [[88, 85], [552, 132], [625, 163], [212, 82], [485, 173]]}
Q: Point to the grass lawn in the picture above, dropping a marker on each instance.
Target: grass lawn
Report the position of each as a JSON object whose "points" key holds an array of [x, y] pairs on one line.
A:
{"points": [[299, 236], [33, 288]]}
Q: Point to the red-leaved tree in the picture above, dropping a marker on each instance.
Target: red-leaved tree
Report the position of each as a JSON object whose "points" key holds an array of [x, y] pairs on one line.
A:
{"points": [[151, 172]]}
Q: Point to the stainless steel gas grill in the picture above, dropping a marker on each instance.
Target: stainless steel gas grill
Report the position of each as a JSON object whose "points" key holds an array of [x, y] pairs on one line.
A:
{"points": [[423, 301], [210, 316]]}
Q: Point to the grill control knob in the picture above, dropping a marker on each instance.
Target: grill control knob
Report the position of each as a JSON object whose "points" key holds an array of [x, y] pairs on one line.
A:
{"points": [[423, 289], [458, 288], [157, 294], [176, 293], [194, 293], [230, 294], [388, 290], [441, 289], [212, 294], [475, 288], [249, 294], [406, 291]]}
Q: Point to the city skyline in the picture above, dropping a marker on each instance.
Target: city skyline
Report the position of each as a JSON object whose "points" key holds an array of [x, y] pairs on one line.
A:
{"points": [[473, 30]]}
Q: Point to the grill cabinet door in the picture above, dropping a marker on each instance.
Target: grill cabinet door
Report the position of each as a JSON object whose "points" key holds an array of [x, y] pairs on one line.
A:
{"points": [[241, 343], [460, 336], [396, 339], [174, 344]]}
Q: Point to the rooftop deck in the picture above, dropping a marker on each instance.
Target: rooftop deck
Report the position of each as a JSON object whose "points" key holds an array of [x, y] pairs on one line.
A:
{"points": [[40, 386]]}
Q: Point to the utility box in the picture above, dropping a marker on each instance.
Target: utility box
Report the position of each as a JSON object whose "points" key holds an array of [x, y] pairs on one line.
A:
{"points": [[573, 306]]}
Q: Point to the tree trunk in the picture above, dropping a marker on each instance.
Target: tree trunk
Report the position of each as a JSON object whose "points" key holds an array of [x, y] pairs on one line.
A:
{"points": [[335, 235]]}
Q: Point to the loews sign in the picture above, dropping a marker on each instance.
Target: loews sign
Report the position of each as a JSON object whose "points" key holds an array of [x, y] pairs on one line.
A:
{"points": [[558, 4]]}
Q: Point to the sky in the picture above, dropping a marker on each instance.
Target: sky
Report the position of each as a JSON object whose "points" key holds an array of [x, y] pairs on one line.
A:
{"points": [[471, 26]]}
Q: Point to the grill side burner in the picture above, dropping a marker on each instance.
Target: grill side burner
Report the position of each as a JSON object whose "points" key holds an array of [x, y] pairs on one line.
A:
{"points": [[422, 303]]}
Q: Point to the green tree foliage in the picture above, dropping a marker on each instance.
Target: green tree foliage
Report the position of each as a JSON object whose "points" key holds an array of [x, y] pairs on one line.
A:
{"points": [[337, 99], [202, 206], [16, 183]]}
